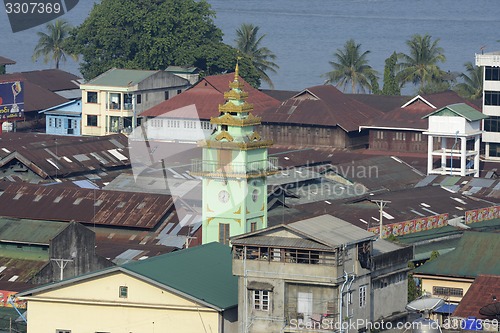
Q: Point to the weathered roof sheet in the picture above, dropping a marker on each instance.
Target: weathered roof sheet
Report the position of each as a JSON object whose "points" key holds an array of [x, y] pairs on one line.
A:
{"points": [[324, 106], [480, 294], [116, 77], [62, 156], [410, 116], [484, 188], [6, 61], [476, 253], [87, 206], [27, 231], [54, 80], [204, 272], [331, 230], [459, 109], [285, 242], [207, 94], [324, 232]]}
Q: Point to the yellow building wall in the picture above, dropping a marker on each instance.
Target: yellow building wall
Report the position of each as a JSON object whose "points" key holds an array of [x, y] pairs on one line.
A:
{"points": [[95, 306], [428, 285]]}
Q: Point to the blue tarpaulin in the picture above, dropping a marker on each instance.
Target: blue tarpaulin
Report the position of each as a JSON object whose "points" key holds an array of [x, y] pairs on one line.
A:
{"points": [[446, 308]]}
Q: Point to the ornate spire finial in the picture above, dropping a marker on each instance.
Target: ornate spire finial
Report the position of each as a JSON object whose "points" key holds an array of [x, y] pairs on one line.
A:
{"points": [[237, 69]]}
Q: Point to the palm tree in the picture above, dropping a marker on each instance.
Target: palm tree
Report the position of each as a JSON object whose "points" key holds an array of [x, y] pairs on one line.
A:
{"points": [[248, 43], [420, 65], [51, 45], [351, 67], [472, 87]]}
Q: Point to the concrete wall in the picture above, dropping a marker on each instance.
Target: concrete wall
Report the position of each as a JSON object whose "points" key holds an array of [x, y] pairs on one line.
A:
{"points": [[76, 243]]}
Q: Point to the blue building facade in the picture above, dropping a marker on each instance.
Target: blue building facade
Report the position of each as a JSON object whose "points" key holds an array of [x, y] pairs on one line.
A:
{"points": [[64, 119]]}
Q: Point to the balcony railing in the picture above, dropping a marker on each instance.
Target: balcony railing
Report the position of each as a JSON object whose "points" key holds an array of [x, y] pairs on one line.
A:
{"points": [[235, 169]]}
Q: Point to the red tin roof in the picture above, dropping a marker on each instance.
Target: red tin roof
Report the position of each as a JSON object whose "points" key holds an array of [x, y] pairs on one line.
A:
{"points": [[207, 94], [324, 106]]}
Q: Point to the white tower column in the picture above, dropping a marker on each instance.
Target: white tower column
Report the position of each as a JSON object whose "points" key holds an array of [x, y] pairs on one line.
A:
{"points": [[430, 144], [443, 154], [463, 156], [477, 141]]}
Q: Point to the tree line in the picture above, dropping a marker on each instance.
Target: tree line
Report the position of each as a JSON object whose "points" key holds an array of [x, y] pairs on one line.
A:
{"points": [[153, 34]]}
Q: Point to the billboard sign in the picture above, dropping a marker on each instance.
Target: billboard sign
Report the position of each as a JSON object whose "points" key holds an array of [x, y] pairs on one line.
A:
{"points": [[11, 100]]}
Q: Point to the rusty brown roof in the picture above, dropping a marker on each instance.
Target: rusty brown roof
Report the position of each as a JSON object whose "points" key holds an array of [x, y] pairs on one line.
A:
{"points": [[87, 206], [380, 102], [24, 269], [410, 116], [62, 156], [6, 61], [480, 293], [406, 205], [322, 106], [52, 79], [207, 94]]}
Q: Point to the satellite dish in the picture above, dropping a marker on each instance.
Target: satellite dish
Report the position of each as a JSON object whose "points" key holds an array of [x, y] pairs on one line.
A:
{"points": [[491, 310], [425, 304]]}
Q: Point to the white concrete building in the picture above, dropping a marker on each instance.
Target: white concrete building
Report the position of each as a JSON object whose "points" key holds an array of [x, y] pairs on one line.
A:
{"points": [[491, 102], [458, 128]]}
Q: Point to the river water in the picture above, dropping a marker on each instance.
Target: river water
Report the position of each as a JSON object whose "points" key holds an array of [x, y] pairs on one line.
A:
{"points": [[304, 34]]}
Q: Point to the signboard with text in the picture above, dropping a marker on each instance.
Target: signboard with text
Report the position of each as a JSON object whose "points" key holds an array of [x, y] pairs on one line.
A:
{"points": [[11, 100], [409, 227]]}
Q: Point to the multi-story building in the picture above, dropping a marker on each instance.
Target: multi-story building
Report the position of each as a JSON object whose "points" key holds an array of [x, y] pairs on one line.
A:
{"points": [[491, 102], [113, 100], [320, 274]]}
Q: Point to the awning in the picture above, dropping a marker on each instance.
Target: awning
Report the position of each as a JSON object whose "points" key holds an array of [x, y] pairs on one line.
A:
{"points": [[446, 308], [254, 285]]}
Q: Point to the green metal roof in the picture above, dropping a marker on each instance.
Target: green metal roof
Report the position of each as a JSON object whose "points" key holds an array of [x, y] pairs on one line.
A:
{"points": [[29, 231], [459, 109], [203, 272], [476, 253], [181, 70], [120, 77]]}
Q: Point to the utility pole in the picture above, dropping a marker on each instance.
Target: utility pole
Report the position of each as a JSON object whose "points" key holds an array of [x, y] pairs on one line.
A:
{"points": [[381, 204], [62, 264]]}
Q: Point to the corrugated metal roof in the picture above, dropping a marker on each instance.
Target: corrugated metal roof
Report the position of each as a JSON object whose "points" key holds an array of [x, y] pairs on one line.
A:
{"points": [[324, 106], [6, 61], [62, 156], [206, 95], [459, 109], [476, 253], [29, 231], [480, 294], [331, 230], [285, 242], [411, 115], [203, 272], [116, 77], [450, 181], [88, 206]]}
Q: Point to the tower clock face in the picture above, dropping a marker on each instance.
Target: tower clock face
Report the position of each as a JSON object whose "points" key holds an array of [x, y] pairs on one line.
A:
{"points": [[224, 196], [255, 195]]}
